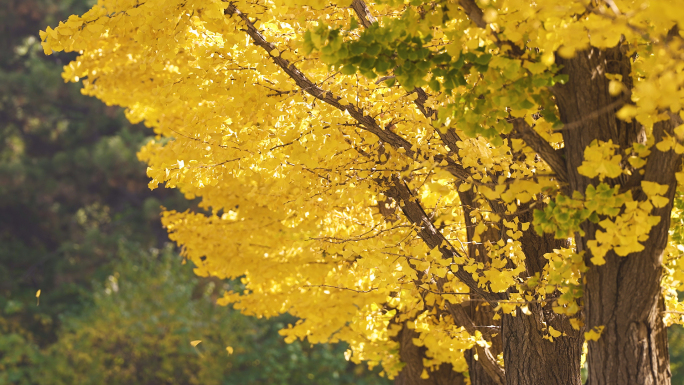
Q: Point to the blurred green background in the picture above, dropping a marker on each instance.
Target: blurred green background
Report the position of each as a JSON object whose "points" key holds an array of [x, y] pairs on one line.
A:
{"points": [[77, 221]]}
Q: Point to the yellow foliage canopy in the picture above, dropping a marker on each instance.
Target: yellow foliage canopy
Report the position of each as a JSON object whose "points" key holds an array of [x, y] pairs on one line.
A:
{"points": [[338, 197]]}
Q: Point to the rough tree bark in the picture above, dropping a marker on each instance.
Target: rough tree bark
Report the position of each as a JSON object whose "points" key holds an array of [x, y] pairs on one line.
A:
{"points": [[623, 295]]}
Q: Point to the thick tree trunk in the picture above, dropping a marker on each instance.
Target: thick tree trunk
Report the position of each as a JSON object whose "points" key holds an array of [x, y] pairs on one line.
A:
{"points": [[622, 295], [412, 356]]}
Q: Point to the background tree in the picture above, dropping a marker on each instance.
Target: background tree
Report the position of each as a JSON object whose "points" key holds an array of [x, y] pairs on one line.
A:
{"points": [[144, 319], [76, 218], [489, 223]]}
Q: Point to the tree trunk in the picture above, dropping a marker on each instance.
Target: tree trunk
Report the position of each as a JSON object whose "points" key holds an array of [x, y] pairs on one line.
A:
{"points": [[412, 356], [622, 295], [530, 358], [478, 374]]}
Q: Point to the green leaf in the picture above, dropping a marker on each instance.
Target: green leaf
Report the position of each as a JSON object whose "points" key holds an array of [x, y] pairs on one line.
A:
{"points": [[483, 59], [357, 49], [348, 70], [382, 65], [373, 49]]}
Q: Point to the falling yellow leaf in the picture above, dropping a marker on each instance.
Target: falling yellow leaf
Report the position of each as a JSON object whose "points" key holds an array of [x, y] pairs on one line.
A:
{"points": [[38, 298], [229, 349], [195, 343]]}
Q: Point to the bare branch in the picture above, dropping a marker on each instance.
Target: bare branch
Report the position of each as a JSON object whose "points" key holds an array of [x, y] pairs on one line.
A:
{"points": [[357, 238], [595, 114]]}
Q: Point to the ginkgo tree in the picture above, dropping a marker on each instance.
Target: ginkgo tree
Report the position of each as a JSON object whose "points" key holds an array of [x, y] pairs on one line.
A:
{"points": [[462, 190]]}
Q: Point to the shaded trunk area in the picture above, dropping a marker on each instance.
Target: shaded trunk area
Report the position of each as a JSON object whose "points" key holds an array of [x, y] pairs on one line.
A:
{"points": [[480, 312]]}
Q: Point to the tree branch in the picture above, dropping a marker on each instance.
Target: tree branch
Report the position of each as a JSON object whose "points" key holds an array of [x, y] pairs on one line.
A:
{"points": [[474, 12], [485, 356], [314, 90], [368, 122], [363, 13], [449, 137], [432, 237], [344, 288], [552, 157], [396, 189]]}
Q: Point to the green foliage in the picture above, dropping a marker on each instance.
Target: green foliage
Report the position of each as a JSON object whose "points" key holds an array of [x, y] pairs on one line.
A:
{"points": [[139, 329], [71, 189], [676, 342], [18, 360]]}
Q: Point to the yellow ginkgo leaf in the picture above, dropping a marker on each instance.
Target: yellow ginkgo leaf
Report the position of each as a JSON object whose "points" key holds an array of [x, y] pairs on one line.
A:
{"points": [[195, 342], [594, 334]]}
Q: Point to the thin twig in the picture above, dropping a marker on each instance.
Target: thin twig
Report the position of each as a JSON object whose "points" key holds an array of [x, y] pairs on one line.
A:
{"points": [[344, 288]]}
